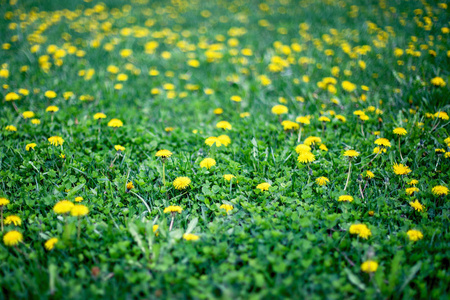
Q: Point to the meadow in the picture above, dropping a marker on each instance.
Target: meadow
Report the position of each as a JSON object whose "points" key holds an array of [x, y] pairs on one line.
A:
{"points": [[224, 149]]}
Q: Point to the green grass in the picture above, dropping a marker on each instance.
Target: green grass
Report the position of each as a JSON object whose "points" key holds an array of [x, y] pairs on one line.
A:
{"points": [[291, 241]]}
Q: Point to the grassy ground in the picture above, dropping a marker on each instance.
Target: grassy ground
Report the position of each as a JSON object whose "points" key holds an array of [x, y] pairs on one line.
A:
{"points": [[355, 71]]}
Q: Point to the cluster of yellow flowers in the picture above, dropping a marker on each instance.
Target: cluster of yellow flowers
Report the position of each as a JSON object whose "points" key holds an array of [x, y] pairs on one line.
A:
{"points": [[338, 86]]}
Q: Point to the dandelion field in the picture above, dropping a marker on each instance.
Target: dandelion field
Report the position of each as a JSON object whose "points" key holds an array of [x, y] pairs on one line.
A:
{"points": [[224, 149]]}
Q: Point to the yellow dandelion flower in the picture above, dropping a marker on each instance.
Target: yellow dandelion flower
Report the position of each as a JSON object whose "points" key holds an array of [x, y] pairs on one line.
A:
{"points": [[100, 115], [50, 94], [368, 174], [302, 148], [414, 235], [441, 115], [12, 238], [50, 244], [13, 220], [227, 207], [163, 153], [303, 120], [236, 98], [416, 205], [28, 114], [312, 140], [279, 109], [213, 140], [52, 108], [119, 148], [130, 185], [341, 118], [181, 183], [380, 150], [411, 190], [78, 199], [351, 153], [115, 123], [439, 190], [228, 177], [438, 81], [382, 142], [224, 125], [369, 266], [289, 125], [364, 117], [348, 86], [173, 209], [208, 163], [10, 128], [218, 111], [56, 140], [306, 157], [400, 131], [63, 207], [324, 119], [4, 201], [263, 186], [323, 147], [224, 140], [344, 198], [400, 169], [155, 228], [190, 237], [36, 121], [12, 97], [322, 181], [361, 230], [79, 210]]}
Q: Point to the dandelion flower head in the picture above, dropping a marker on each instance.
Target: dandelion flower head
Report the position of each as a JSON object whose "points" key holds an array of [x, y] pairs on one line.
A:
{"points": [[79, 210], [263, 186], [414, 235], [181, 183], [173, 209], [63, 207], [208, 163], [12, 238]]}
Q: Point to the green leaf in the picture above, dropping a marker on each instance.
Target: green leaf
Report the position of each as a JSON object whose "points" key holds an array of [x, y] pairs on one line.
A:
{"points": [[354, 279], [395, 269], [75, 190], [411, 275], [192, 225], [132, 228]]}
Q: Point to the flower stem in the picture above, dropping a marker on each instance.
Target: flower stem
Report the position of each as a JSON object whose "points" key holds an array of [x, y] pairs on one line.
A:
{"points": [[399, 149], [112, 163], [99, 128], [380, 150], [299, 134], [171, 222], [2, 214], [15, 106], [349, 172], [361, 191], [79, 227], [164, 174]]}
